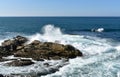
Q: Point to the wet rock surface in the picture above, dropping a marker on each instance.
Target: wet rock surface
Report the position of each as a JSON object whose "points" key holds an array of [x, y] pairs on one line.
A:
{"points": [[20, 62], [8, 47], [12, 44], [47, 50], [37, 50]]}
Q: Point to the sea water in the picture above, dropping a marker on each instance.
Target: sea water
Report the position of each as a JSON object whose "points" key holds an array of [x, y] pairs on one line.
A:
{"points": [[101, 48]]}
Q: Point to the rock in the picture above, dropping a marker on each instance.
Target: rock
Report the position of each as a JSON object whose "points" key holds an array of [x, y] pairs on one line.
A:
{"points": [[39, 59], [18, 75], [46, 64], [36, 42], [1, 75], [0, 57], [48, 50], [56, 57], [4, 52], [11, 45], [54, 46], [21, 62], [20, 40], [37, 50], [53, 70], [2, 60], [19, 47]]}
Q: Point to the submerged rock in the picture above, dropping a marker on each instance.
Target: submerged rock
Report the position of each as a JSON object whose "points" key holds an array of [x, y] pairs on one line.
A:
{"points": [[21, 62], [2, 60]]}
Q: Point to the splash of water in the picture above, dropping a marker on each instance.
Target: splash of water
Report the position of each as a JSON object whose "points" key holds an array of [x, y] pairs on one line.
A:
{"points": [[101, 58], [50, 33]]}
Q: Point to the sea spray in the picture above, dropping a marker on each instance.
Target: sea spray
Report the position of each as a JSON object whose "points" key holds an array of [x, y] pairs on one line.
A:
{"points": [[86, 44], [100, 59], [50, 34]]}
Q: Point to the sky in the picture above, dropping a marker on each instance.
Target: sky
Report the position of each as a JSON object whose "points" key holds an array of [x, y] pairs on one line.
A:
{"points": [[59, 7]]}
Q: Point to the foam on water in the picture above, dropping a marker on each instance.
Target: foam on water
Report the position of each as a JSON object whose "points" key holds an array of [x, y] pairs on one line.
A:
{"points": [[97, 30], [86, 44], [118, 48], [100, 30], [101, 58]]}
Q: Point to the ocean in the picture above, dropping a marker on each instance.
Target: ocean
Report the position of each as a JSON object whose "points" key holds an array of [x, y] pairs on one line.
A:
{"points": [[98, 38]]}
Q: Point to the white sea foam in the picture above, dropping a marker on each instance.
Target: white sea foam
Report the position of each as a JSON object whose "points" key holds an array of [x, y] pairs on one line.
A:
{"points": [[50, 33], [98, 30], [118, 48], [91, 45], [99, 55]]}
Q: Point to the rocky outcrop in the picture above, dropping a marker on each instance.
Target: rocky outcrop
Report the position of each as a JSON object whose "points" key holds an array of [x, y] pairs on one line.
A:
{"points": [[37, 50], [47, 50], [8, 47], [11, 45]]}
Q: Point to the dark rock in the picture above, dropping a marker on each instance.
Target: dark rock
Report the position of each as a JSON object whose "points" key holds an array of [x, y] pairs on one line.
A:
{"points": [[20, 40], [11, 45], [53, 70], [56, 57], [2, 60], [1, 75], [36, 42], [47, 50], [38, 59], [18, 75], [19, 47], [46, 64], [69, 48], [42, 73], [37, 50], [21, 62]]}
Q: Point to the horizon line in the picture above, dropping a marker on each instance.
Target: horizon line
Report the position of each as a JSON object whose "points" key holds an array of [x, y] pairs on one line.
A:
{"points": [[59, 16]]}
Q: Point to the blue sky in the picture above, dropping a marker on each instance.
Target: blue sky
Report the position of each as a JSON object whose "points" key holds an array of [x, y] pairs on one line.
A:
{"points": [[59, 7]]}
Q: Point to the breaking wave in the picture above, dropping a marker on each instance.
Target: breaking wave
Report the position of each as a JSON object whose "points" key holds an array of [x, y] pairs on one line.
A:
{"points": [[101, 56], [98, 30], [93, 30]]}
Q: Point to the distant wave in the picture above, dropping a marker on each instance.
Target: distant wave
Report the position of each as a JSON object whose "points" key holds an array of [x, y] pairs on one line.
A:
{"points": [[97, 30], [89, 30]]}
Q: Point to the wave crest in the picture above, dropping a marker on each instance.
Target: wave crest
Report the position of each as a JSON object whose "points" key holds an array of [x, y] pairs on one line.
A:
{"points": [[50, 34]]}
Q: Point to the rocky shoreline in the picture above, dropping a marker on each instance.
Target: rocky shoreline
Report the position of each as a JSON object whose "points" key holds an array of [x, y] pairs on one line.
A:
{"points": [[37, 51]]}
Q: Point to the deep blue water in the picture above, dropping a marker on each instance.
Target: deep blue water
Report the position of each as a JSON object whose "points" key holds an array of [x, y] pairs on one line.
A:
{"points": [[71, 25]]}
